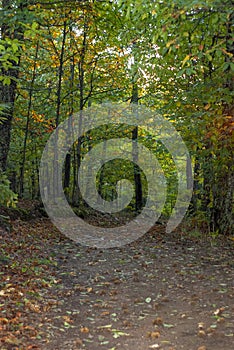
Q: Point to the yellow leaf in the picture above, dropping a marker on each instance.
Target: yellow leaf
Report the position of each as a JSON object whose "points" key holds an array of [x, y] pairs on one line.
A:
{"points": [[169, 43], [187, 57], [227, 53]]}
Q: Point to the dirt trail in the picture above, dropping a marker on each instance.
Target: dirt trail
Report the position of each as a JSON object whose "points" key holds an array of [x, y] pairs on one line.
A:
{"points": [[160, 292]]}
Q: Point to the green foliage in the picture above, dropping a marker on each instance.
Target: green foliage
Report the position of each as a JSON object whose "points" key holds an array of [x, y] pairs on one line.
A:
{"points": [[3, 109], [9, 56], [179, 54], [7, 196]]}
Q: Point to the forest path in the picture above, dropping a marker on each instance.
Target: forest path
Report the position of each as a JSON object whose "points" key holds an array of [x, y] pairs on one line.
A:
{"points": [[163, 291]]}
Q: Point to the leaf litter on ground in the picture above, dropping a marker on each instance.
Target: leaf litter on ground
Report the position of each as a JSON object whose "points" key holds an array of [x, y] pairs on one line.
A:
{"points": [[55, 294]]}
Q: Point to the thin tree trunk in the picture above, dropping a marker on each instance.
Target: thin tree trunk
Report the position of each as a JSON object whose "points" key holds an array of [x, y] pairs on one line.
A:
{"points": [[194, 200], [136, 170], [76, 197], [67, 172], [22, 167], [101, 179], [58, 107], [67, 167]]}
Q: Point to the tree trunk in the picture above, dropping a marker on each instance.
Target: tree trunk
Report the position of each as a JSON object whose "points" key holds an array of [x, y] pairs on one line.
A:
{"points": [[136, 170], [67, 167], [58, 108], [194, 201], [67, 172], [21, 179], [76, 196], [223, 192], [7, 92], [223, 204]]}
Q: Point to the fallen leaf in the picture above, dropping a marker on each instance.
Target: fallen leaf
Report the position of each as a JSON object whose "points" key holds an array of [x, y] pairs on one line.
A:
{"points": [[158, 321], [84, 330], [219, 311], [201, 325], [105, 313], [148, 300], [118, 333], [67, 319], [12, 340], [201, 333], [166, 325], [153, 335]]}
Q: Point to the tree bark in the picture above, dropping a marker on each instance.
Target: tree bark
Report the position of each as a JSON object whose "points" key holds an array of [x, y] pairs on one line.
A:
{"points": [[58, 108], [136, 170], [8, 92], [223, 192], [22, 167], [76, 196]]}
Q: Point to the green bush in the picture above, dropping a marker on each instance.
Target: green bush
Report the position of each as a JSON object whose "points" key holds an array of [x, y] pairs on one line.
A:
{"points": [[7, 197]]}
